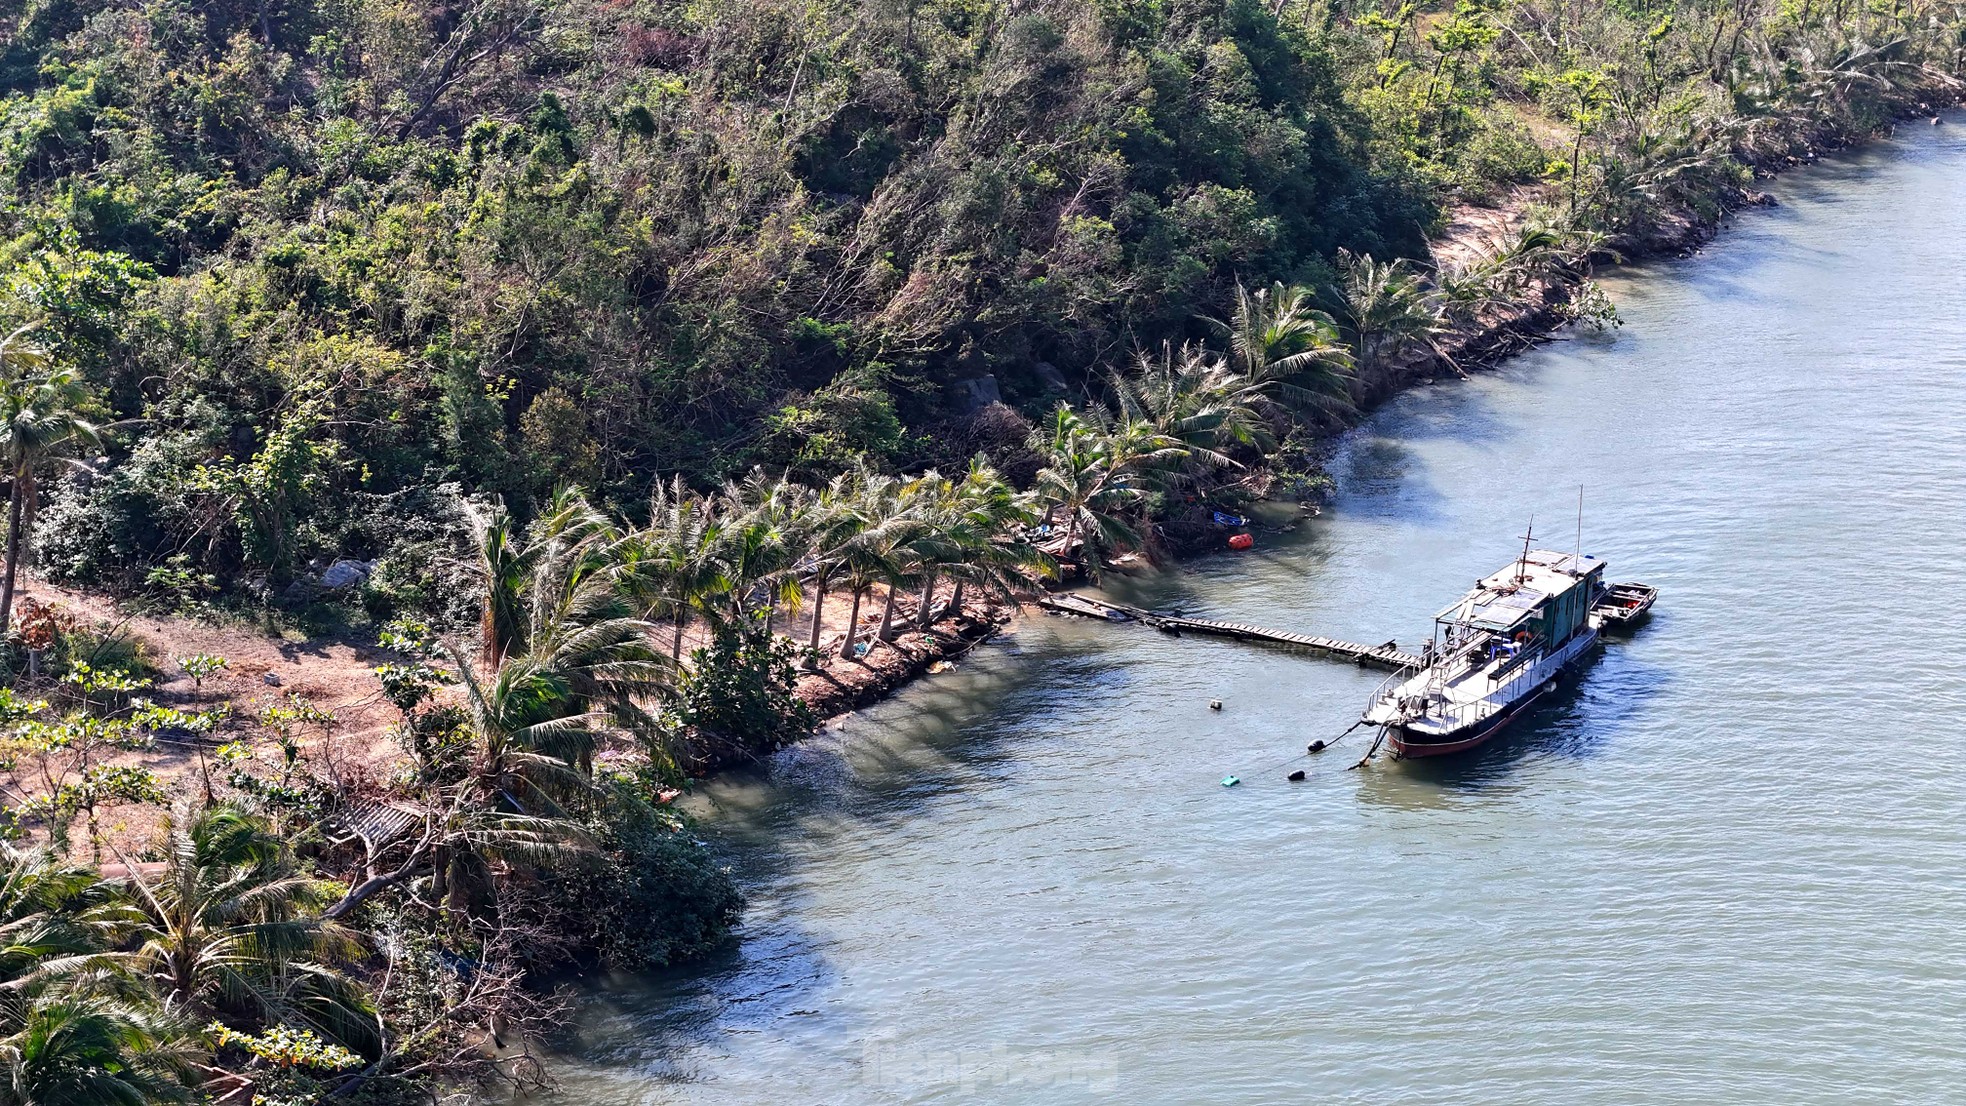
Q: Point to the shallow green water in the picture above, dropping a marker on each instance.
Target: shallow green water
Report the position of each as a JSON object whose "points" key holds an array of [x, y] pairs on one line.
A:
{"points": [[1729, 865]]}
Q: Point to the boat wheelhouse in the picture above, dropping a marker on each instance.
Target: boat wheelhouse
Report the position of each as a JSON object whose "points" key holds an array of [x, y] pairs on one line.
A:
{"points": [[1493, 653]]}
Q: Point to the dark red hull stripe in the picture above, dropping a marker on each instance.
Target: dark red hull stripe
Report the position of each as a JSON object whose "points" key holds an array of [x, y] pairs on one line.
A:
{"points": [[1458, 744]]}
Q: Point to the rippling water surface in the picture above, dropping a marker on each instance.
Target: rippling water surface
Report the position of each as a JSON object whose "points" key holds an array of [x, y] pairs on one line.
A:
{"points": [[1729, 865]]}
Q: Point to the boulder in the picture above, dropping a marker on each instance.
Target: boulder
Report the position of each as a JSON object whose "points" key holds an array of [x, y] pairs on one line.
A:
{"points": [[973, 395], [346, 574]]}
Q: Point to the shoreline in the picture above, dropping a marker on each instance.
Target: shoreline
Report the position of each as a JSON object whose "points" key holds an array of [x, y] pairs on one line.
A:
{"points": [[1506, 330]]}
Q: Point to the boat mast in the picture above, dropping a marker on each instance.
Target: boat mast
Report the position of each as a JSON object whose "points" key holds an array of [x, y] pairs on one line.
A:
{"points": [[1522, 566], [1577, 562]]}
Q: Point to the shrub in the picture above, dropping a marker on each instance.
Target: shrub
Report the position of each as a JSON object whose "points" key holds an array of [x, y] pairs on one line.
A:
{"points": [[107, 529], [657, 895], [739, 690]]}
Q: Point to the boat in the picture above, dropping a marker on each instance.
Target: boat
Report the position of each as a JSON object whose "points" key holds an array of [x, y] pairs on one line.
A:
{"points": [[1625, 605], [1494, 652]]}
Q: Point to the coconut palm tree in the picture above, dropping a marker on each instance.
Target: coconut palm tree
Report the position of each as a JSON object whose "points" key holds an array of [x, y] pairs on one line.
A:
{"points": [[232, 930], [1282, 344], [564, 593], [40, 419], [830, 524], [77, 1048], [680, 573], [1097, 471], [71, 1029], [514, 800], [502, 570], [1387, 309], [939, 543], [921, 548], [563, 607], [759, 546], [875, 552], [1197, 400], [984, 527], [569, 538], [1530, 254]]}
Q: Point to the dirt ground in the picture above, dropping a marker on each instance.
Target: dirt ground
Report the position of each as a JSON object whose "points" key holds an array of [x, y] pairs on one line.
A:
{"points": [[338, 675], [334, 675]]}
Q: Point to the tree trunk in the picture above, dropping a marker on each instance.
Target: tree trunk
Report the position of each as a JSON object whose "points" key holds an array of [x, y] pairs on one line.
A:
{"points": [[926, 616], [956, 599], [676, 647], [852, 625], [887, 615], [16, 503], [818, 605]]}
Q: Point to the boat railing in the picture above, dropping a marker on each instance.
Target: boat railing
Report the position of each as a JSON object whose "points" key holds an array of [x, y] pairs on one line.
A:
{"points": [[1465, 654], [1474, 710], [1393, 682]]}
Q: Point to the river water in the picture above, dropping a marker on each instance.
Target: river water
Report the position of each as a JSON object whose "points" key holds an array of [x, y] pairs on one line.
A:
{"points": [[1727, 865]]}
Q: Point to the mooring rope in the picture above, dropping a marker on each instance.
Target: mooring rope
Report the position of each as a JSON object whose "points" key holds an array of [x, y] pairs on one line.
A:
{"points": [[1383, 730], [1310, 753]]}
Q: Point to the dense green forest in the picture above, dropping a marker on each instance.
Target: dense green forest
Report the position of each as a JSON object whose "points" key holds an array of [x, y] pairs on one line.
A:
{"points": [[342, 261], [630, 339]]}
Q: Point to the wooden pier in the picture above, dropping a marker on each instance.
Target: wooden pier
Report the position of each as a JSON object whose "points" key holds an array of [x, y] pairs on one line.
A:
{"points": [[1378, 656]]}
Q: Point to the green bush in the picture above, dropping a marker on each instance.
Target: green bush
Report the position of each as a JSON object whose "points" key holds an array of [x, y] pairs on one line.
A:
{"points": [[110, 529], [738, 691], [657, 895]]}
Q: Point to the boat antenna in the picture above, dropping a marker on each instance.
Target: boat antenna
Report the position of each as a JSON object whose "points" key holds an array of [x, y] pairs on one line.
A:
{"points": [[1577, 562], [1522, 567]]}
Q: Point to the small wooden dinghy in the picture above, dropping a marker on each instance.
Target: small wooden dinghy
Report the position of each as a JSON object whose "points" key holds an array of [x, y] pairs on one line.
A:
{"points": [[1624, 605]]}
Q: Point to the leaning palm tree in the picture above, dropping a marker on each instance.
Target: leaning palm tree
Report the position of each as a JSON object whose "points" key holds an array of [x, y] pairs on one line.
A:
{"points": [[937, 544], [40, 420], [516, 797], [985, 529], [71, 1029], [1387, 309], [511, 807], [1197, 400], [1097, 471], [1283, 345], [876, 553], [831, 523], [1533, 251], [232, 930]]}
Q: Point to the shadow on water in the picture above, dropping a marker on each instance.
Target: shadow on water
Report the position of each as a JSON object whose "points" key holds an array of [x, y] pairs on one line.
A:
{"points": [[1386, 479], [1452, 410], [877, 771], [1580, 719]]}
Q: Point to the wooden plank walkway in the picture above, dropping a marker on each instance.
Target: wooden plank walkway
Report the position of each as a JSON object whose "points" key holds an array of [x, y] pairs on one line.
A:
{"points": [[1379, 656]]}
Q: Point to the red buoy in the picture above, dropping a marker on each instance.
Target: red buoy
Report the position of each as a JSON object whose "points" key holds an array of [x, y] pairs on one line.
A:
{"points": [[1242, 541]]}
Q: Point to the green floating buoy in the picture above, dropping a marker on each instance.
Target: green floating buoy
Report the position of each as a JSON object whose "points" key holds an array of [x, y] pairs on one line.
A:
{"points": [[1230, 781]]}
